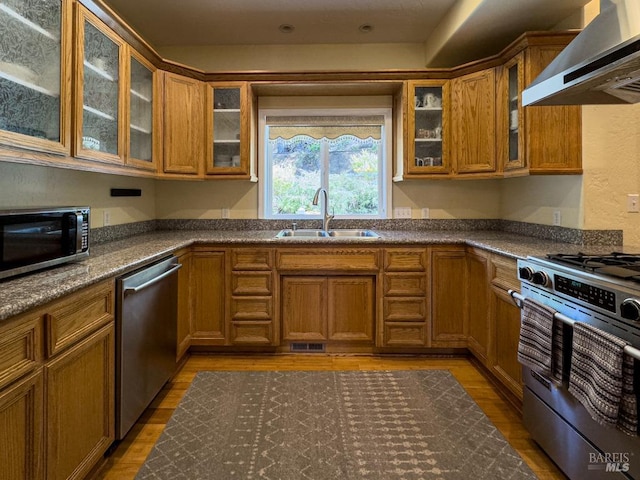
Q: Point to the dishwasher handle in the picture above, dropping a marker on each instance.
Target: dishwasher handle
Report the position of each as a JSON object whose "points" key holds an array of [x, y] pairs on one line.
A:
{"points": [[154, 280]]}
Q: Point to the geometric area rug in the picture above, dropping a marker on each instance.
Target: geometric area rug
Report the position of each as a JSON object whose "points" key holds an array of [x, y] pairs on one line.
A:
{"points": [[294, 425]]}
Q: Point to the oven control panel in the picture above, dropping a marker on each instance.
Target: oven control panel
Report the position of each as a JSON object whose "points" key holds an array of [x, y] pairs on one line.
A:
{"points": [[587, 293]]}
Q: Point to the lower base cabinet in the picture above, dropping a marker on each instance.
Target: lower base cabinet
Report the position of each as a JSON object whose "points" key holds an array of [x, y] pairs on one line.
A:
{"points": [[505, 365], [478, 312], [328, 309], [57, 389], [505, 324], [183, 334], [448, 297], [21, 430], [208, 294], [79, 406]]}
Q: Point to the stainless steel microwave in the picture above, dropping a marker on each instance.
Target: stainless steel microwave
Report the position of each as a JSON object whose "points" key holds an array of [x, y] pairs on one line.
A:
{"points": [[37, 238]]}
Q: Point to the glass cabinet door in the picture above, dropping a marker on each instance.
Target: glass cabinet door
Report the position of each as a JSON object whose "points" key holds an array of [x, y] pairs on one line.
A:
{"points": [[141, 113], [229, 131], [512, 115], [99, 135], [427, 128], [33, 39]]}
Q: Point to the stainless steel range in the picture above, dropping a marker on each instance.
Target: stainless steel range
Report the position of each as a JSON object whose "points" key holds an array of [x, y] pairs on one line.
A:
{"points": [[604, 291]]}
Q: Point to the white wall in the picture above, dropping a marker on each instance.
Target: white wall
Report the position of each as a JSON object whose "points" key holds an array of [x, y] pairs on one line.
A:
{"points": [[373, 56], [29, 185]]}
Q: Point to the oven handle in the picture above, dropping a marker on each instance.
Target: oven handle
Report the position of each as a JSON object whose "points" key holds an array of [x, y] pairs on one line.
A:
{"points": [[519, 299]]}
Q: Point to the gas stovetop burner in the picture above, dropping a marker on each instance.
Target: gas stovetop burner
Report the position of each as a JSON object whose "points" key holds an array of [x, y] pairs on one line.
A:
{"points": [[615, 264]]}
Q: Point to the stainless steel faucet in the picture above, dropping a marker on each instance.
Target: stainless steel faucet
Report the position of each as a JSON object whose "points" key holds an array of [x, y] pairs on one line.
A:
{"points": [[326, 218]]}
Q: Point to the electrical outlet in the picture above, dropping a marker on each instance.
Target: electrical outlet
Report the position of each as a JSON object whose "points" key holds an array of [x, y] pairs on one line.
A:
{"points": [[633, 205], [425, 213], [225, 213], [402, 212], [106, 218], [557, 217]]}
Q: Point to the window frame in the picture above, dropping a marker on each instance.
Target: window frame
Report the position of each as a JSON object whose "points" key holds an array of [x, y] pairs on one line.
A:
{"points": [[384, 177]]}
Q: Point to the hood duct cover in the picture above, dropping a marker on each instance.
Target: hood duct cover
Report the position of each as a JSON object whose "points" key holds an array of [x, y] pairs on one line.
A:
{"points": [[600, 66]]}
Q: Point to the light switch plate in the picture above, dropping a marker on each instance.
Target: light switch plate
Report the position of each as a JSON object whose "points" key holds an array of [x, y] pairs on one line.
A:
{"points": [[633, 205], [425, 213], [225, 213]]}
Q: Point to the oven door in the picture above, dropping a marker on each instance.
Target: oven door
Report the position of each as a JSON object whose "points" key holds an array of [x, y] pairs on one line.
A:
{"points": [[37, 239], [581, 447]]}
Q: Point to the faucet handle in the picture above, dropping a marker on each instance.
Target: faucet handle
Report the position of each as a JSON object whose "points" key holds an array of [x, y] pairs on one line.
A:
{"points": [[294, 226]]}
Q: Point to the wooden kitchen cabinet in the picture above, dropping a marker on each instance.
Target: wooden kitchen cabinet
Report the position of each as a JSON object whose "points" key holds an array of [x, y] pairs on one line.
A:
{"points": [[143, 113], [79, 406], [328, 295], [535, 140], [185, 304], [505, 325], [428, 107], [473, 106], [79, 381], [252, 311], [35, 75], [184, 125], [21, 398], [208, 296], [553, 135], [510, 122], [448, 297], [21, 429], [229, 124], [304, 309], [333, 309], [57, 414], [478, 295], [405, 321], [100, 98]]}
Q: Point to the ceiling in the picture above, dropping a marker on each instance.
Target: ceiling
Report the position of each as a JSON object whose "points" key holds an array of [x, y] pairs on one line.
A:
{"points": [[454, 31]]}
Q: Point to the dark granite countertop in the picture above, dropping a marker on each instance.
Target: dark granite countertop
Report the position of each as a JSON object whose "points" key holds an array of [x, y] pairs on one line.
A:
{"points": [[112, 259]]}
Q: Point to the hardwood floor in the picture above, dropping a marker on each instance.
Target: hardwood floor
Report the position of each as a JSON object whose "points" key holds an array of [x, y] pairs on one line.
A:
{"points": [[130, 454]]}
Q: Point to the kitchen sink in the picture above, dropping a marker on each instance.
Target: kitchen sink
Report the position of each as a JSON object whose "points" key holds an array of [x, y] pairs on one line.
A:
{"points": [[353, 233], [302, 233], [317, 233]]}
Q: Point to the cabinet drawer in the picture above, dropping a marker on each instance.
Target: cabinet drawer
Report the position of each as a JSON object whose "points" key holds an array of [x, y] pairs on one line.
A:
{"points": [[251, 333], [405, 309], [251, 283], [405, 284], [251, 308], [251, 259], [77, 316], [20, 347], [347, 259], [505, 272], [405, 260], [405, 334]]}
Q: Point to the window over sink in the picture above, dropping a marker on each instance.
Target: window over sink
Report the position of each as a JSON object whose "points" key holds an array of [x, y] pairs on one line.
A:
{"points": [[345, 151]]}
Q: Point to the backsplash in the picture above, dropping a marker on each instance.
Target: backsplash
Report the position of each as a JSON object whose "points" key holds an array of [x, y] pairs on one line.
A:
{"points": [[546, 232]]}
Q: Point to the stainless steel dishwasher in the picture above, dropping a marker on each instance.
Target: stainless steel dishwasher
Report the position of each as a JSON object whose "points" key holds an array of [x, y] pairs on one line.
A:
{"points": [[146, 326]]}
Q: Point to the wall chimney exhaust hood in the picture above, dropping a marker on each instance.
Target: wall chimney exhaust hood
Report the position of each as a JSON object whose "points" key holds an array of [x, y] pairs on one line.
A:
{"points": [[600, 66]]}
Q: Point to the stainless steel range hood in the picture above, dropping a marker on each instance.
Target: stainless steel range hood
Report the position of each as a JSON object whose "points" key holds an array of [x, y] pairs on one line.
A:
{"points": [[600, 66]]}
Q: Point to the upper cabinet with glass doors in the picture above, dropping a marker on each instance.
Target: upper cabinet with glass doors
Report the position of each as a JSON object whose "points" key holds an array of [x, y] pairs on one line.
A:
{"points": [[100, 97], [35, 69], [428, 128], [510, 122], [142, 148], [230, 114]]}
